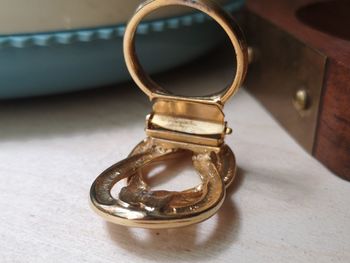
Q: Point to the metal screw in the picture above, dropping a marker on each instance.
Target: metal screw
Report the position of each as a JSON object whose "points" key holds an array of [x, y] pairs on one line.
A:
{"points": [[301, 100], [228, 130]]}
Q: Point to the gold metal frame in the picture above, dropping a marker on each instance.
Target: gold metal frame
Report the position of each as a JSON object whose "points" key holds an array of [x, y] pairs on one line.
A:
{"points": [[176, 125]]}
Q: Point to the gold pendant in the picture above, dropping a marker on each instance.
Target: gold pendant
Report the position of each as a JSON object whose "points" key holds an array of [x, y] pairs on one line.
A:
{"points": [[175, 126]]}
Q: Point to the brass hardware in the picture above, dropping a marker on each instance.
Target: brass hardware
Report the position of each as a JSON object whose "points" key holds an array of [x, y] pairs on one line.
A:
{"points": [[251, 55], [301, 100], [176, 125]]}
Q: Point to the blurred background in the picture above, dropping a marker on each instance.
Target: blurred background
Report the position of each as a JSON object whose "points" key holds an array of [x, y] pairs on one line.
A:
{"points": [[68, 110], [59, 46]]}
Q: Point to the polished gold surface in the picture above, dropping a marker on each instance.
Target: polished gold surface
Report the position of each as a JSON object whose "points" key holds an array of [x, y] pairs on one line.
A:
{"points": [[152, 89], [187, 125], [176, 126], [189, 109], [138, 206], [187, 121]]}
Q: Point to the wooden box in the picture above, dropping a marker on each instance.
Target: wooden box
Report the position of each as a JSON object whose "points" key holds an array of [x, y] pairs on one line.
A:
{"points": [[301, 72]]}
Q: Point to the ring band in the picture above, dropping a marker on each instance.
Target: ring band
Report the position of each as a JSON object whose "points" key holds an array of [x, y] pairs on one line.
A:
{"points": [[151, 88]]}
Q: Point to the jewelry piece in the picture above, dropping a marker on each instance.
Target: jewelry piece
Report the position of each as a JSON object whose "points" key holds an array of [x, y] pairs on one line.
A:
{"points": [[176, 125]]}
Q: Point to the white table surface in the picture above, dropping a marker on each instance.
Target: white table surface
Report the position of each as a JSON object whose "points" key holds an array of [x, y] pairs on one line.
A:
{"points": [[283, 207]]}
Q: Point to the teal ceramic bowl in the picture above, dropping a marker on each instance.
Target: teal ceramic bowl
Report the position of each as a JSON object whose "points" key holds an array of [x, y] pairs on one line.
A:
{"points": [[57, 62]]}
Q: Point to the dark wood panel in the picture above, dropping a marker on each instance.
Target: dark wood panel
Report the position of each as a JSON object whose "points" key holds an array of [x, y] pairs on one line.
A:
{"points": [[324, 27], [283, 13], [332, 146]]}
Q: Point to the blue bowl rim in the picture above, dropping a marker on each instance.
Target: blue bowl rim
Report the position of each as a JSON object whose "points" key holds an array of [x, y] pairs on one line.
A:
{"points": [[106, 32]]}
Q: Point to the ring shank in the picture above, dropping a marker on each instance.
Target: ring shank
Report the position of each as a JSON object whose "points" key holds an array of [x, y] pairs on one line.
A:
{"points": [[151, 88]]}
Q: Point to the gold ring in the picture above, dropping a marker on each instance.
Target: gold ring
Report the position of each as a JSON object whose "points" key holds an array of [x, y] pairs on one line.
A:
{"points": [[176, 125], [152, 89]]}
